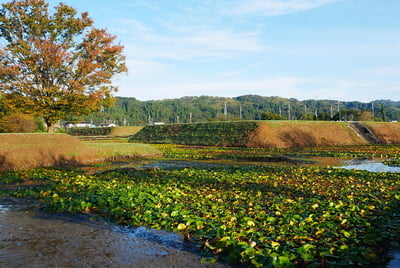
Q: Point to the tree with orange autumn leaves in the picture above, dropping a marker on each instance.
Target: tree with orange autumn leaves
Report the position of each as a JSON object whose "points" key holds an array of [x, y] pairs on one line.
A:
{"points": [[55, 65]]}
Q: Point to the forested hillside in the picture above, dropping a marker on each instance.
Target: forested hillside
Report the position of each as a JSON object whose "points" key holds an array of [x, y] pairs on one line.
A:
{"points": [[130, 111]]}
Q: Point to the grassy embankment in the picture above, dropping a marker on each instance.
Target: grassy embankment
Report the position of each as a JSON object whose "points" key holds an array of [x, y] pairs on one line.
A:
{"points": [[286, 134], [387, 133], [210, 134], [124, 131], [267, 134], [24, 151]]}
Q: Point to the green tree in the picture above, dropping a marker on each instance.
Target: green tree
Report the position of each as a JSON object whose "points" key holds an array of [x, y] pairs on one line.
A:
{"points": [[55, 64], [271, 116], [383, 112], [365, 116]]}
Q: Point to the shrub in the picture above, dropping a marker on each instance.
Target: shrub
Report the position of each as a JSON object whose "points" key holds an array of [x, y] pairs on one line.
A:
{"points": [[90, 131], [272, 116]]}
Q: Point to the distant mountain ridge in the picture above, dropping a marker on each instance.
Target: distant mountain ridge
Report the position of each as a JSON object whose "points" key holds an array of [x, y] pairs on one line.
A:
{"points": [[130, 111]]}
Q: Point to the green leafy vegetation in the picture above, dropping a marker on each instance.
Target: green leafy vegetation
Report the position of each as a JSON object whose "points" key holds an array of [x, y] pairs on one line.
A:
{"points": [[218, 133], [215, 153], [272, 116], [103, 131], [90, 131], [247, 214], [393, 163], [261, 216]]}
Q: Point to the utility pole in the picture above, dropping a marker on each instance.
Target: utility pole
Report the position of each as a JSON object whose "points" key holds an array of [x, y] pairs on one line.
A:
{"points": [[372, 108], [225, 111], [338, 109]]}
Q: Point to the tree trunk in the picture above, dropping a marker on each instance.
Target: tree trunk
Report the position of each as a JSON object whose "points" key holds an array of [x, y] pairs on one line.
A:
{"points": [[50, 127]]}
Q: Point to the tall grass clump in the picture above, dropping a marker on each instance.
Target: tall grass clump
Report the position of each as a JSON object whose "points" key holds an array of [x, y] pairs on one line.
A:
{"points": [[24, 151]]}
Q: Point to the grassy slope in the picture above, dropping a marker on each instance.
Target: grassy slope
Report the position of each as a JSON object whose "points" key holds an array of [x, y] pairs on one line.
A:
{"points": [[276, 134], [217, 133], [23, 151], [125, 131], [284, 134], [387, 133]]}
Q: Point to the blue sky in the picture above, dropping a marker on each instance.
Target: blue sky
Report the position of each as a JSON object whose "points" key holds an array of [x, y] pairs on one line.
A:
{"points": [[305, 49]]}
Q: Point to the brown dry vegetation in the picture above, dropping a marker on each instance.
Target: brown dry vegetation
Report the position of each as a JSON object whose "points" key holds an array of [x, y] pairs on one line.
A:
{"points": [[125, 131], [386, 133], [284, 134], [24, 151]]}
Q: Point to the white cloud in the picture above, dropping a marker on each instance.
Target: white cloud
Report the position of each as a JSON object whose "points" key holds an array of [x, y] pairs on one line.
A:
{"points": [[278, 7], [139, 69], [198, 45], [386, 72], [242, 70]]}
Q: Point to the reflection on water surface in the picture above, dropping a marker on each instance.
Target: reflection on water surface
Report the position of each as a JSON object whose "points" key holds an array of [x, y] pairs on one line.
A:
{"points": [[35, 239], [370, 165]]}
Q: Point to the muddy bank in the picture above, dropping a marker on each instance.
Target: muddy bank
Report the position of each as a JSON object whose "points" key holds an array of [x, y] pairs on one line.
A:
{"points": [[30, 238]]}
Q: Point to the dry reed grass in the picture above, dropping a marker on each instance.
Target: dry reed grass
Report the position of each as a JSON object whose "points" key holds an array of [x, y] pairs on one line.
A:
{"points": [[285, 134], [386, 133], [125, 131], [25, 151]]}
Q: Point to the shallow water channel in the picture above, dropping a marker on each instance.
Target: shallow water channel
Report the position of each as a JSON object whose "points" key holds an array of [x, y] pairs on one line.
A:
{"points": [[33, 239], [369, 165], [29, 238]]}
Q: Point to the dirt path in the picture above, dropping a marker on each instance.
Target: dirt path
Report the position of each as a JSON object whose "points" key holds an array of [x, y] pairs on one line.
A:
{"points": [[29, 238], [364, 132]]}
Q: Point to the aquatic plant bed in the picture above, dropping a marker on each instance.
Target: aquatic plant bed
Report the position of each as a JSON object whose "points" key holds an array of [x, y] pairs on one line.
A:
{"points": [[393, 163], [215, 153], [260, 216]]}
